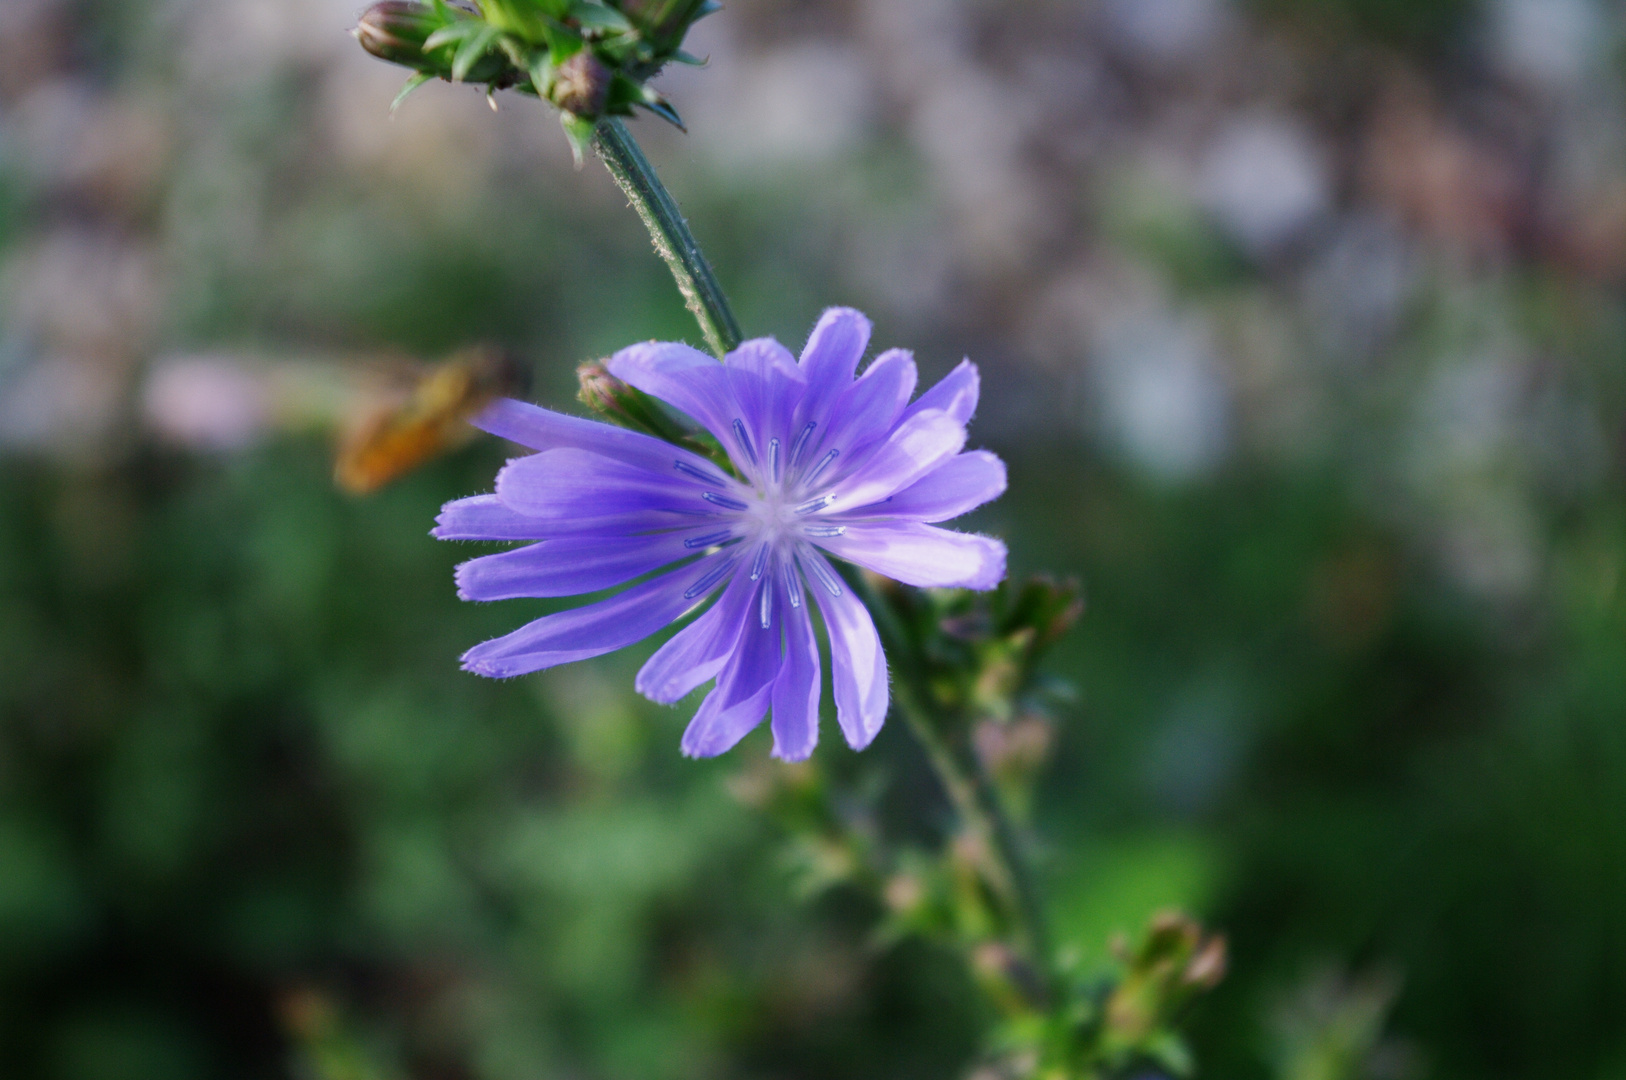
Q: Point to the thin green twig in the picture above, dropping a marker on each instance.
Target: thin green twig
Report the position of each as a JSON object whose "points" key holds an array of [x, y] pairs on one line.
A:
{"points": [[673, 240]]}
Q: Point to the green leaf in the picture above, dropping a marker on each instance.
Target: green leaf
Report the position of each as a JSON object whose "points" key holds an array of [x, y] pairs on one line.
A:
{"points": [[472, 49], [579, 131], [662, 108], [564, 44], [458, 31], [681, 57], [596, 17], [541, 71], [417, 79]]}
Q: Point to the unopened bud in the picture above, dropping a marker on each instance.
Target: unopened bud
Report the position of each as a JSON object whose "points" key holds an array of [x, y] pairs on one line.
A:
{"points": [[626, 405], [581, 85], [395, 30]]}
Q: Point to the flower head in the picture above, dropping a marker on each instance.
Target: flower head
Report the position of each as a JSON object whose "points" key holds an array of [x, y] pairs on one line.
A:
{"points": [[824, 463]]}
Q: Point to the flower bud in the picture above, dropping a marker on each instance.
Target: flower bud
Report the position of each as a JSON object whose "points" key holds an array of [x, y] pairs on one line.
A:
{"points": [[628, 406], [395, 30], [581, 85]]}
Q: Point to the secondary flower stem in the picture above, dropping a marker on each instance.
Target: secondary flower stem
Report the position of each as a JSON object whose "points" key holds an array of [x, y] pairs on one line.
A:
{"points": [[969, 788], [673, 241]]}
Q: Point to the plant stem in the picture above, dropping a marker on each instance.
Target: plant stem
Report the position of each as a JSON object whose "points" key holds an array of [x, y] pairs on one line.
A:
{"points": [[969, 788], [673, 241]]}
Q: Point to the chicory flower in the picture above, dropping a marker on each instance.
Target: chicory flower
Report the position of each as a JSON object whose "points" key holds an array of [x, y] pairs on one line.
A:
{"points": [[828, 462]]}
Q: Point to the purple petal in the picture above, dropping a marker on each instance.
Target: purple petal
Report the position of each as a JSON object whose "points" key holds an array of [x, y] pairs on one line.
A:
{"points": [[796, 691], [858, 666], [485, 517], [684, 378], [598, 628], [866, 410], [740, 699], [543, 429], [767, 385], [573, 565], [698, 652], [958, 486], [922, 555], [571, 492], [918, 445], [956, 394], [830, 359]]}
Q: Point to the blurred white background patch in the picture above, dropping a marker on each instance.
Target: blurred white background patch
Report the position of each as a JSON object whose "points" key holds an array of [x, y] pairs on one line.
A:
{"points": [[1165, 31], [1552, 43], [1264, 180], [1164, 395]]}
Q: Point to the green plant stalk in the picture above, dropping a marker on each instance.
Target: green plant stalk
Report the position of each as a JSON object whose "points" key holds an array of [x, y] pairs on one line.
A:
{"points": [[673, 241], [970, 789]]}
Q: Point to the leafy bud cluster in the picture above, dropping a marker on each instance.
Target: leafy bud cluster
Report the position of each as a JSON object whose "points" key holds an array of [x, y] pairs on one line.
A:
{"points": [[591, 58]]}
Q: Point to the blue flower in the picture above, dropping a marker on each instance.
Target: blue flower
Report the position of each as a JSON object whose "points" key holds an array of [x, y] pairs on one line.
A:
{"points": [[828, 463]]}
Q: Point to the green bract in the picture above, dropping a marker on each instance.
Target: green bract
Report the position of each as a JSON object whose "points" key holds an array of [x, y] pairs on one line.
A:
{"points": [[588, 57]]}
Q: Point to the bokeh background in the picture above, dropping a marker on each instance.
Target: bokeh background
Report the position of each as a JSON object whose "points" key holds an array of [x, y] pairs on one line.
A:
{"points": [[1302, 330]]}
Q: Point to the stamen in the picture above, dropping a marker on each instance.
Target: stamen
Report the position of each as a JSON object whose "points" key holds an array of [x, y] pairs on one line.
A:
{"points": [[745, 440], [767, 604], [793, 584], [761, 561], [824, 463], [723, 500], [773, 459], [801, 443], [813, 506], [713, 576], [709, 539], [825, 530], [827, 577], [697, 474]]}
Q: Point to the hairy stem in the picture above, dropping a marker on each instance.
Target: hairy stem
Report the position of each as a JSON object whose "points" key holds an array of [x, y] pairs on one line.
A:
{"points": [[673, 241]]}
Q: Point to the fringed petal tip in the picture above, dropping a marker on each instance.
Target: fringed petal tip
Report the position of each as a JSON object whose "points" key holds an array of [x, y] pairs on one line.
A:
{"points": [[860, 738], [795, 755], [992, 571]]}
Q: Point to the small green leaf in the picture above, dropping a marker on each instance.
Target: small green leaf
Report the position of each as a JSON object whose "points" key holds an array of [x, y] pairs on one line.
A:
{"points": [[417, 79], [563, 44], [596, 17], [662, 108], [458, 31], [472, 49], [681, 57], [579, 130], [541, 71]]}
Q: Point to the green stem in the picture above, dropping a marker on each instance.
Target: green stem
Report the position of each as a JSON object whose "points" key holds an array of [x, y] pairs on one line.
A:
{"points": [[969, 788], [673, 241]]}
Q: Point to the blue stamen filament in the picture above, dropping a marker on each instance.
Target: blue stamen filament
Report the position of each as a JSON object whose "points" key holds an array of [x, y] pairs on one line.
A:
{"points": [[724, 501], [793, 584], [745, 441], [773, 460], [826, 576], [709, 539], [766, 610], [800, 444], [824, 463], [761, 562], [713, 576], [697, 474], [813, 506], [825, 530]]}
